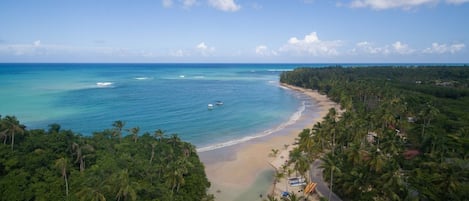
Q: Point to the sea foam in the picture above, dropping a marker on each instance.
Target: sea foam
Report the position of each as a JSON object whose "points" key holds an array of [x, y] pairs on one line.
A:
{"points": [[143, 78], [292, 120], [104, 84]]}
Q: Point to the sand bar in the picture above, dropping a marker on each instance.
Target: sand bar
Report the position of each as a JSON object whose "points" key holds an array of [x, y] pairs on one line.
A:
{"points": [[236, 171]]}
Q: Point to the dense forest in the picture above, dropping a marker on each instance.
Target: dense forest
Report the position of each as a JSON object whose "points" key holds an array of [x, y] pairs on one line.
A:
{"points": [[403, 135], [115, 164]]}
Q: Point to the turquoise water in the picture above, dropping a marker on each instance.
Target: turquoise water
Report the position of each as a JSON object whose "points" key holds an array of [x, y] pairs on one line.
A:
{"points": [[171, 97]]}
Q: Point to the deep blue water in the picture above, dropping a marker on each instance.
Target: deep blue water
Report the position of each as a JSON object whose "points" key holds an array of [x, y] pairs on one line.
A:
{"points": [[171, 97]]}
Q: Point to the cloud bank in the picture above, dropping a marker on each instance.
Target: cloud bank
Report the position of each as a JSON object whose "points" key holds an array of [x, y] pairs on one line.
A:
{"points": [[224, 5], [403, 4], [311, 45]]}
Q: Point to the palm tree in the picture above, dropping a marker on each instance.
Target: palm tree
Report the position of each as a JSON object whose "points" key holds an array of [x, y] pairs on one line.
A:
{"points": [[330, 164], [134, 132], [158, 134], [176, 171], [90, 194], [62, 164], [54, 128], [427, 114], [125, 188], [118, 126], [188, 149], [4, 136], [277, 176], [13, 127], [174, 140], [153, 145], [81, 151], [274, 153], [300, 160]]}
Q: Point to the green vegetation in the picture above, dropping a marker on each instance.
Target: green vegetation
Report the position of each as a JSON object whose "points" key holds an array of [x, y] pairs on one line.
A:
{"points": [[61, 165], [404, 134]]}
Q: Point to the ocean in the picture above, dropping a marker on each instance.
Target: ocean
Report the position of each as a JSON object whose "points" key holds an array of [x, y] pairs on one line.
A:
{"points": [[171, 97]]}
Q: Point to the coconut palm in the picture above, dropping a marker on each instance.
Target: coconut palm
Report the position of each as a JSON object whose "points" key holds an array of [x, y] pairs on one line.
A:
{"points": [[174, 140], [4, 136], [62, 164], [12, 126], [81, 152], [153, 145], [126, 189], [54, 128], [176, 171], [118, 126], [90, 194], [159, 134], [273, 153], [330, 165], [134, 132], [277, 176]]}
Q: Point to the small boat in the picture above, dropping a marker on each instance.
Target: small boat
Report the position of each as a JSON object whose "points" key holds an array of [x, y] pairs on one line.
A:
{"points": [[210, 106], [219, 103]]}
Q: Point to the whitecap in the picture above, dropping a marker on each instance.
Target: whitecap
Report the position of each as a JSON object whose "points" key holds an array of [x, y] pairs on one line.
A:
{"points": [[143, 78], [182, 76], [293, 119], [104, 84]]}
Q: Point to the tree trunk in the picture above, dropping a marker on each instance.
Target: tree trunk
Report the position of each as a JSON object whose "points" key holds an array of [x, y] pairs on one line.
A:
{"points": [[332, 180], [152, 154], [82, 165], [273, 189], [66, 184], [12, 140]]}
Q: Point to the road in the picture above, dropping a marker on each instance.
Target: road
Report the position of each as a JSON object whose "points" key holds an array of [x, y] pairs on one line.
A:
{"points": [[315, 174]]}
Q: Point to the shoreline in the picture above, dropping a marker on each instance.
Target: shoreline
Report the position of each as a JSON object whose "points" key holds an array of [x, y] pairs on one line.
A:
{"points": [[242, 171]]}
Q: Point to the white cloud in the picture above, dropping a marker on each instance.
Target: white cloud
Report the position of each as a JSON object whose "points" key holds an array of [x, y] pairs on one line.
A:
{"points": [[183, 3], [457, 2], [202, 46], [444, 48], [311, 45], [263, 50], [204, 49], [38, 49], [368, 48], [167, 3], [37, 43], [388, 4], [179, 53], [188, 3], [224, 5], [404, 4], [402, 48], [396, 48]]}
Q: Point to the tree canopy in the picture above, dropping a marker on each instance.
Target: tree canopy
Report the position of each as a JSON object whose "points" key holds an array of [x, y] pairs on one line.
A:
{"points": [[62, 165], [403, 135]]}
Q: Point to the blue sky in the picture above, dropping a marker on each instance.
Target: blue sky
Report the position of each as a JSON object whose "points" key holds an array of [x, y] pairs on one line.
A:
{"points": [[299, 31]]}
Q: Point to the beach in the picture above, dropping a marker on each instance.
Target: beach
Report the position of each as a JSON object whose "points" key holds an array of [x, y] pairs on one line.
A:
{"points": [[245, 171]]}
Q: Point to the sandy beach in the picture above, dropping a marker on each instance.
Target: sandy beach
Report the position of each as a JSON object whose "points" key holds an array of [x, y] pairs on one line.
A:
{"points": [[243, 172]]}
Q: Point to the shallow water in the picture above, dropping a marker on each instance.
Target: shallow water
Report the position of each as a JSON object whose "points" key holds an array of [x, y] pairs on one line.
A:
{"points": [[171, 97]]}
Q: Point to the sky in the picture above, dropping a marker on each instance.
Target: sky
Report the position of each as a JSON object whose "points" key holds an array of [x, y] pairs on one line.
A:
{"points": [[235, 31]]}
